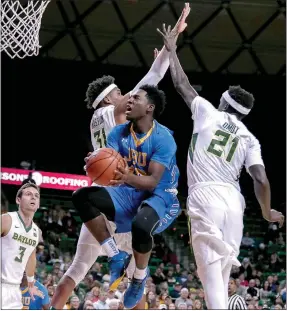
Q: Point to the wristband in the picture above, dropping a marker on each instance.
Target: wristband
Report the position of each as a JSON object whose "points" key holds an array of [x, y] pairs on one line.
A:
{"points": [[30, 279]]}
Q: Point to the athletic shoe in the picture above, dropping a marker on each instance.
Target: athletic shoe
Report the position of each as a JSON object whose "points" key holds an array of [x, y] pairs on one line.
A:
{"points": [[135, 291], [118, 265]]}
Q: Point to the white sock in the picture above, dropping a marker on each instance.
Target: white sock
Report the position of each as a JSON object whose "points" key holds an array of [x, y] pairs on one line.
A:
{"points": [[140, 274], [110, 247]]}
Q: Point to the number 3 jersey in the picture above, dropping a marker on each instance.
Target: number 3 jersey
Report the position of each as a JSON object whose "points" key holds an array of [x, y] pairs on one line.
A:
{"points": [[102, 122], [220, 146], [17, 246]]}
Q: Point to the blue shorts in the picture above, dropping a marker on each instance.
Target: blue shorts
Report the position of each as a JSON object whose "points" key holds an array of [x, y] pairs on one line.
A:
{"points": [[128, 201]]}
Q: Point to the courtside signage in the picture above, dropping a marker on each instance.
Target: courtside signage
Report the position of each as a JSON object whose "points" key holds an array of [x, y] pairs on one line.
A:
{"points": [[50, 180]]}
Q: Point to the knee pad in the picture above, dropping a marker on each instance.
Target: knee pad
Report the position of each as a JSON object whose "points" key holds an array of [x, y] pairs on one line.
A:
{"points": [[85, 208], [141, 237]]}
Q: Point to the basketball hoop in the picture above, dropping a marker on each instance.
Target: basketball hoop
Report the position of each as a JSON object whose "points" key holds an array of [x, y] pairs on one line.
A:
{"points": [[20, 26]]}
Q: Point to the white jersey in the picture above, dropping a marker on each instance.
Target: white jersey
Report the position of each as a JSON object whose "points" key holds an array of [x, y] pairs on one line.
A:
{"points": [[17, 246], [220, 146], [102, 122]]}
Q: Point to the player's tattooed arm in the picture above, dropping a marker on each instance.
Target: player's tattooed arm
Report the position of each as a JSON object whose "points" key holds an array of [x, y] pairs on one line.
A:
{"points": [[6, 222], [263, 194]]}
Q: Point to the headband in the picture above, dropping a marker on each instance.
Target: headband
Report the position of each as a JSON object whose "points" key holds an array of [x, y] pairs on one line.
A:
{"points": [[235, 104], [103, 94]]}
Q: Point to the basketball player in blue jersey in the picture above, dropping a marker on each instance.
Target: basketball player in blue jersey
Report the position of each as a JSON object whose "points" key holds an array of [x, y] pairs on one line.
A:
{"points": [[149, 181]]}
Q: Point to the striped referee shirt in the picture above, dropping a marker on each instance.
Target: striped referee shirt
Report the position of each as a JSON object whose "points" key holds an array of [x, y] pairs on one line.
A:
{"points": [[236, 302]]}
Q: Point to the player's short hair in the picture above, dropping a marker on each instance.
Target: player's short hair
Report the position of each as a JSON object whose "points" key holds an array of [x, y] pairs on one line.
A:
{"points": [[25, 186], [241, 96], [156, 97], [96, 87]]}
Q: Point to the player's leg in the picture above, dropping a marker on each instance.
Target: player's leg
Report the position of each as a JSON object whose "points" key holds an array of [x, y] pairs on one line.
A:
{"points": [[11, 297], [232, 232], [88, 249], [124, 242], [143, 226], [211, 278], [207, 210], [157, 214], [91, 203]]}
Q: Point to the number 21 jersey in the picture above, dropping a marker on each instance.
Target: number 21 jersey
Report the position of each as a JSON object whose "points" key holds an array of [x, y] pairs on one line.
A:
{"points": [[102, 122], [17, 246], [220, 146]]}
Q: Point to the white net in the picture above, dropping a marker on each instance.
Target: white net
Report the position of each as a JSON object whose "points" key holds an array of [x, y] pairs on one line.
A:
{"points": [[20, 26]]}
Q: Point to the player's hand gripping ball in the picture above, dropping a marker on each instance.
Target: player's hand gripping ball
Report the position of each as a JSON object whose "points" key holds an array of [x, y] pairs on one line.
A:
{"points": [[102, 164]]}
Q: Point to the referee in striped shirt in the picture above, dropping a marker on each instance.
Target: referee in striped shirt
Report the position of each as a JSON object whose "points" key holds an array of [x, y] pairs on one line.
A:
{"points": [[235, 302]]}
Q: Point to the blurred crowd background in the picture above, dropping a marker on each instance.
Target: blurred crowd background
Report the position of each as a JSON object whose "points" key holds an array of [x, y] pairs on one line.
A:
{"points": [[174, 283]]}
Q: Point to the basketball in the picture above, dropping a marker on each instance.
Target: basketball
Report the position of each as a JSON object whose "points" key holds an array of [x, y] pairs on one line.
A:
{"points": [[102, 165]]}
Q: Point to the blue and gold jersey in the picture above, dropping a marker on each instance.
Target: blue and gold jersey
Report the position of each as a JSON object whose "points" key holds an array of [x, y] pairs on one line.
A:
{"points": [[139, 150], [41, 298]]}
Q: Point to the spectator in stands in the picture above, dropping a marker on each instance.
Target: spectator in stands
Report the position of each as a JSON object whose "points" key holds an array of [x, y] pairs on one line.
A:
{"points": [[120, 290], [197, 304], [171, 306], [101, 304], [74, 303], [177, 272], [247, 241], [158, 276], [275, 263], [113, 304], [51, 290], [252, 290], [246, 267], [280, 240], [88, 305], [191, 282], [171, 280], [183, 298], [265, 291], [182, 306], [175, 292]]}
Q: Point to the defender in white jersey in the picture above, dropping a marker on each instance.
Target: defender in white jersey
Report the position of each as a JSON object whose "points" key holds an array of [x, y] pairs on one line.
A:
{"points": [[105, 97], [19, 239], [220, 146]]}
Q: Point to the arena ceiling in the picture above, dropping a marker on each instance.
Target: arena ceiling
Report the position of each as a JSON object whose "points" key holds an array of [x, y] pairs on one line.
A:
{"points": [[229, 36]]}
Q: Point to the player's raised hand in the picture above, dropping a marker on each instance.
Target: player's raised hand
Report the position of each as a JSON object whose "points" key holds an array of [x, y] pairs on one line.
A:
{"points": [[181, 24], [169, 37], [276, 216]]}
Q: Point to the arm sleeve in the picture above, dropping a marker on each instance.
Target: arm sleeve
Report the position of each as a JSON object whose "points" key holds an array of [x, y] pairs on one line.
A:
{"points": [[113, 139], [164, 151], [156, 72], [253, 156]]}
